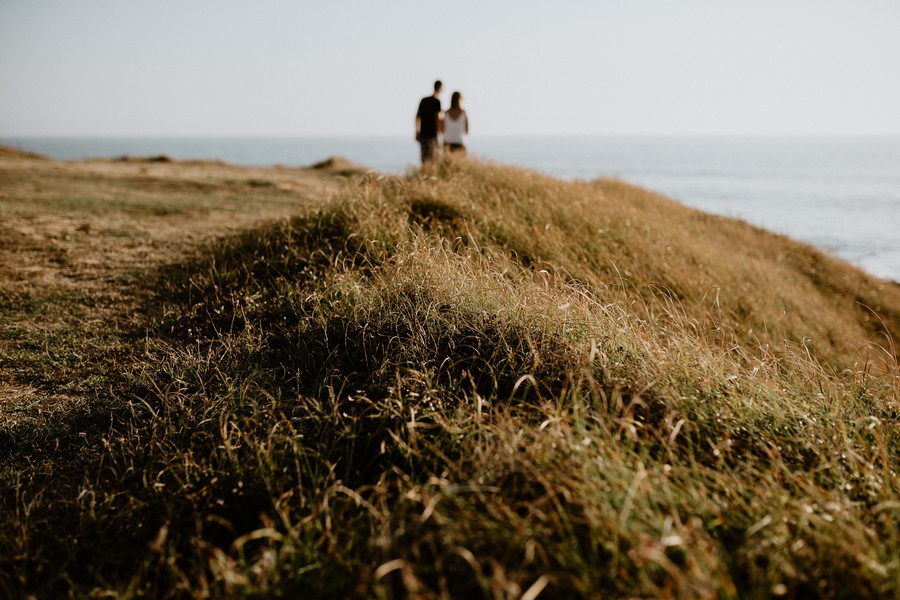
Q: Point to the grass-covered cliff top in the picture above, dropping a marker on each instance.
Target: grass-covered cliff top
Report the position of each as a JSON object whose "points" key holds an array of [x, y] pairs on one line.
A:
{"points": [[473, 381]]}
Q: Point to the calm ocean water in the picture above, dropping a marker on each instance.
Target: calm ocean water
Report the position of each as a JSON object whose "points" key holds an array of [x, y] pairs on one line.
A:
{"points": [[841, 194]]}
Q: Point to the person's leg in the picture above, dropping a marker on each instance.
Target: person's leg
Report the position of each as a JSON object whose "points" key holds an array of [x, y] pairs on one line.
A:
{"points": [[429, 149]]}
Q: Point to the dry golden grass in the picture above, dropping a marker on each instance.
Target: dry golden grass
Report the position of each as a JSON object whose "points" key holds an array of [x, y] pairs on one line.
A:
{"points": [[470, 382], [762, 286], [77, 240]]}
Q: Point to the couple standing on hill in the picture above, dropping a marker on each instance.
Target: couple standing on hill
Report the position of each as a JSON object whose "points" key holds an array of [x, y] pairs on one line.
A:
{"points": [[432, 122]]}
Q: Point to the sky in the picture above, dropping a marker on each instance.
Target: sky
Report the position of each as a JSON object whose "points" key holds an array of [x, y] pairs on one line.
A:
{"points": [[525, 67]]}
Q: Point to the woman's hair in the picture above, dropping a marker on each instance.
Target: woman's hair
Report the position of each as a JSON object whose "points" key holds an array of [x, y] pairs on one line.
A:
{"points": [[454, 100]]}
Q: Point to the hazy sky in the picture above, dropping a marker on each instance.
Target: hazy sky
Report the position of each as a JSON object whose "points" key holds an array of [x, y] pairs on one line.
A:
{"points": [[304, 67]]}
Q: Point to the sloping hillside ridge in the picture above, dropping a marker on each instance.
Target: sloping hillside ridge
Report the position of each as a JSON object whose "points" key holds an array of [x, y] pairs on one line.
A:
{"points": [[619, 238]]}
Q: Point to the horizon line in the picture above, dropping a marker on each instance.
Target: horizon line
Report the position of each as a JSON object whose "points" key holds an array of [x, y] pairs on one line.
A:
{"points": [[396, 135]]}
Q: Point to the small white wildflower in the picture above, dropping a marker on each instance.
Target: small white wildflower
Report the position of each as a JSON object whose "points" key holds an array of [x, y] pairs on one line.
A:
{"points": [[671, 540]]}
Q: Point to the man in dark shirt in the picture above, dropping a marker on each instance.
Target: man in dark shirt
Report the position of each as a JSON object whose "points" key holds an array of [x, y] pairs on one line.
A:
{"points": [[428, 123]]}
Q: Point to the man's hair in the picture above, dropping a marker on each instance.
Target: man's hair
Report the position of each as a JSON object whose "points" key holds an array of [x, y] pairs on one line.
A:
{"points": [[438, 85]]}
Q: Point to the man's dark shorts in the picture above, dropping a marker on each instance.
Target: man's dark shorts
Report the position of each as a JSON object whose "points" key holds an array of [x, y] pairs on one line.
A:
{"points": [[429, 149]]}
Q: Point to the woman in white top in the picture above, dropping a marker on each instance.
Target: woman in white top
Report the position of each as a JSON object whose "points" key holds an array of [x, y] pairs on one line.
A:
{"points": [[455, 126]]}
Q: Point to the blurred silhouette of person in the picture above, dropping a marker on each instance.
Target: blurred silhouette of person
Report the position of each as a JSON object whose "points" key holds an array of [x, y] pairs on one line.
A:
{"points": [[455, 126], [428, 123]]}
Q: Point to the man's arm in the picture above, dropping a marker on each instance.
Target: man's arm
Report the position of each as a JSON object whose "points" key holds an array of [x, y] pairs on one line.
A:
{"points": [[418, 121]]}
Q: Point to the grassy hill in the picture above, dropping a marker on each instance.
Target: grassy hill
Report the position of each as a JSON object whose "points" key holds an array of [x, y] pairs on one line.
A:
{"points": [[473, 381]]}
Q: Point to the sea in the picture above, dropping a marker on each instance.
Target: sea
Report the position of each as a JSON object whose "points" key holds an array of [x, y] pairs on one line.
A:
{"points": [[838, 193]]}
